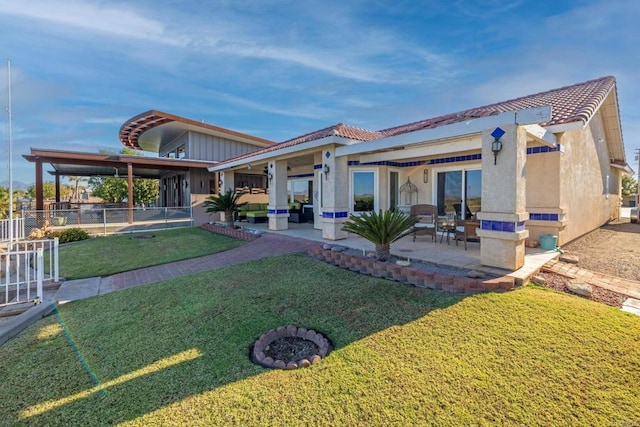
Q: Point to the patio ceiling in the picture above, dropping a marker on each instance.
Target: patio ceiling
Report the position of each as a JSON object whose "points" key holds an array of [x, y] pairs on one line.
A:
{"points": [[67, 163]]}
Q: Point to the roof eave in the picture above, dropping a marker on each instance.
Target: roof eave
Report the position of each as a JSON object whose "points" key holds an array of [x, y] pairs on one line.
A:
{"points": [[281, 152]]}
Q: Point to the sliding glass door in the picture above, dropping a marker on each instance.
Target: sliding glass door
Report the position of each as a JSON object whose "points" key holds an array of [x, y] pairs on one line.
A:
{"points": [[459, 192]]}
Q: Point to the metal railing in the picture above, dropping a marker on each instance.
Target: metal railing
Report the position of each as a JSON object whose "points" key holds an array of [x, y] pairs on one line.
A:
{"points": [[102, 220], [51, 271], [21, 271], [5, 229]]}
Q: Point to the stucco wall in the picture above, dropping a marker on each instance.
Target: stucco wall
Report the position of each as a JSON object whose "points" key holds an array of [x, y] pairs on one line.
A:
{"points": [[573, 183]]}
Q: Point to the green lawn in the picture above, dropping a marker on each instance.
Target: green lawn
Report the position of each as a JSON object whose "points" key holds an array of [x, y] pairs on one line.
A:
{"points": [[175, 353], [103, 256]]}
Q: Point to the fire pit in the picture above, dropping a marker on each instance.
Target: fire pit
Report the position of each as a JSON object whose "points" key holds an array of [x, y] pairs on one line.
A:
{"points": [[289, 347]]}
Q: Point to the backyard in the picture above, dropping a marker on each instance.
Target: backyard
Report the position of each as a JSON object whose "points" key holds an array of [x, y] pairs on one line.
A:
{"points": [[176, 352]]}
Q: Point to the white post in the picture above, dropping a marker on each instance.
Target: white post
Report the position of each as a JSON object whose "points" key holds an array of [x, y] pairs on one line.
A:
{"points": [[10, 158], [56, 267], [40, 273]]}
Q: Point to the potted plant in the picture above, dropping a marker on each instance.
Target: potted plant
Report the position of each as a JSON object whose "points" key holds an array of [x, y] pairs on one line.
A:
{"points": [[226, 203], [381, 229]]}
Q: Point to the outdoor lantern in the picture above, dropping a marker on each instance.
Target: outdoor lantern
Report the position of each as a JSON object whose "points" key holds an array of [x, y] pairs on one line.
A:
{"points": [[496, 145], [326, 170]]}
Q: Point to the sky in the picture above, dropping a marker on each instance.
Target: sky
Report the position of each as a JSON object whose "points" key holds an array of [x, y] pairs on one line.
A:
{"points": [[278, 69]]}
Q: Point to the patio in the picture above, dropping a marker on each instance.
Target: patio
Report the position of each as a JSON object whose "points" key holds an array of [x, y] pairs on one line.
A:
{"points": [[423, 249]]}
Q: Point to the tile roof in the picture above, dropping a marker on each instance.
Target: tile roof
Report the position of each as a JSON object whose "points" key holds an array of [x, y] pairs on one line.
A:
{"points": [[569, 104]]}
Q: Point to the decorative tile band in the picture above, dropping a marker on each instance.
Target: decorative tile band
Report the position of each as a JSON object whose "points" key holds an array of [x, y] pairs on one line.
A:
{"points": [[335, 214], [317, 166], [544, 216], [277, 211], [302, 175], [544, 149], [510, 227]]}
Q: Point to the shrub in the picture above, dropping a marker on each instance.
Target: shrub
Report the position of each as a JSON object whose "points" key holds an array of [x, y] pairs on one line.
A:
{"points": [[72, 235], [381, 229]]}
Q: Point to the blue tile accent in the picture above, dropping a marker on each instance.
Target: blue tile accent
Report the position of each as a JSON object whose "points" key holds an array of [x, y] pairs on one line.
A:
{"points": [[509, 227], [335, 214], [543, 149], [317, 166], [327, 154], [277, 211], [544, 216], [302, 175]]}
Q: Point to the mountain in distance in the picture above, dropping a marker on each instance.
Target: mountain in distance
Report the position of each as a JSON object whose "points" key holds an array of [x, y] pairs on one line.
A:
{"points": [[17, 185]]}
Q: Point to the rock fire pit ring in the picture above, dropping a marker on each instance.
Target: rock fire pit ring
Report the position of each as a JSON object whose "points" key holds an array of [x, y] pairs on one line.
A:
{"points": [[290, 347]]}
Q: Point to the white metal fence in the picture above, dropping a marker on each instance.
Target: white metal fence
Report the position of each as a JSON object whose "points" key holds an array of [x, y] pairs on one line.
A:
{"points": [[5, 229], [100, 220], [22, 276]]}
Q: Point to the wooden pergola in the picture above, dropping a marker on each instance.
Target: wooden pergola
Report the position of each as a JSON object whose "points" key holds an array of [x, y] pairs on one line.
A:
{"points": [[70, 163]]}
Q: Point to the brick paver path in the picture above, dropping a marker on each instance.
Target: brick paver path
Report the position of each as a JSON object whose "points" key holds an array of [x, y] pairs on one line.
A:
{"points": [[617, 284], [269, 244]]}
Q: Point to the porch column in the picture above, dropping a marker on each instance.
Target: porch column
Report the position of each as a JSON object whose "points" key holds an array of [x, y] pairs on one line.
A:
{"points": [[130, 192], [228, 181], [335, 194], [58, 188], [502, 219], [318, 188], [39, 189], [278, 209]]}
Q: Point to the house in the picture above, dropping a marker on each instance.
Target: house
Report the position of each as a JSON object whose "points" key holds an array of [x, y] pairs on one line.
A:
{"points": [[548, 163]]}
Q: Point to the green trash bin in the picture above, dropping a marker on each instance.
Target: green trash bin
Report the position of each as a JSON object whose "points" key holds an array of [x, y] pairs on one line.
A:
{"points": [[548, 242]]}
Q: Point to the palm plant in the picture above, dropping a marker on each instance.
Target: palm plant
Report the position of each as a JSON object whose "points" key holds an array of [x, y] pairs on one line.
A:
{"points": [[227, 203], [381, 229]]}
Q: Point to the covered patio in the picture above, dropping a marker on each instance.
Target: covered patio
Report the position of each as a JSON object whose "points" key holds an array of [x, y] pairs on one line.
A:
{"points": [[423, 249]]}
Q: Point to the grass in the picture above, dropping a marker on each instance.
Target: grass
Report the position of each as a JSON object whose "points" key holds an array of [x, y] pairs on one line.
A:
{"points": [[175, 353], [103, 256]]}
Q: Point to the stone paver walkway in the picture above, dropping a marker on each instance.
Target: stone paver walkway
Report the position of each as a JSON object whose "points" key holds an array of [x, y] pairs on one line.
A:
{"points": [[267, 245], [626, 287]]}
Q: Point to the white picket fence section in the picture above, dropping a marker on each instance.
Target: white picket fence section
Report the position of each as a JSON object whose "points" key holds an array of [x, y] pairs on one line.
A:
{"points": [[23, 270], [5, 229]]}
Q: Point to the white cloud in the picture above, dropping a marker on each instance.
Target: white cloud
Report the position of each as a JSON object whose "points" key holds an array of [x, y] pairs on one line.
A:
{"points": [[92, 17]]}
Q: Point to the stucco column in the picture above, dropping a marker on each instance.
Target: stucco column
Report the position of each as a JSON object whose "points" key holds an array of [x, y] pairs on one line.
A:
{"points": [[227, 180], [335, 195], [502, 219], [317, 190], [278, 209]]}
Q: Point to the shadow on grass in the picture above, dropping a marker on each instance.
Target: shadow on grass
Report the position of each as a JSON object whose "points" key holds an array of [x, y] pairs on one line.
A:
{"points": [[155, 345]]}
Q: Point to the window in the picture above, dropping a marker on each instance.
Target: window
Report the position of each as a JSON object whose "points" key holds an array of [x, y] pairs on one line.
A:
{"points": [[363, 191], [300, 190]]}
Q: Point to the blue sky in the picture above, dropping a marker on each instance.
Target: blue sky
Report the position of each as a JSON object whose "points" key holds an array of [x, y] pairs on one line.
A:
{"points": [[278, 69]]}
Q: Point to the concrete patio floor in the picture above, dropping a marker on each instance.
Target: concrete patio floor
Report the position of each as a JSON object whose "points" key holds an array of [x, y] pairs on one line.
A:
{"points": [[424, 249]]}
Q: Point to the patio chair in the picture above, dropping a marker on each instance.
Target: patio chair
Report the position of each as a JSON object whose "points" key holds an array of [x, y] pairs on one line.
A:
{"points": [[466, 231], [426, 221]]}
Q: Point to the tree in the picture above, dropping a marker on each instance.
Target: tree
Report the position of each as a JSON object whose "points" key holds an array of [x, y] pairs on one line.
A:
{"points": [[49, 191], [381, 229], [227, 203], [629, 185], [110, 190], [145, 191], [77, 180], [4, 202]]}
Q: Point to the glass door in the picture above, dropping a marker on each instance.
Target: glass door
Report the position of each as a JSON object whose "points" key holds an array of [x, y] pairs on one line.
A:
{"points": [[459, 192], [449, 192], [393, 190]]}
